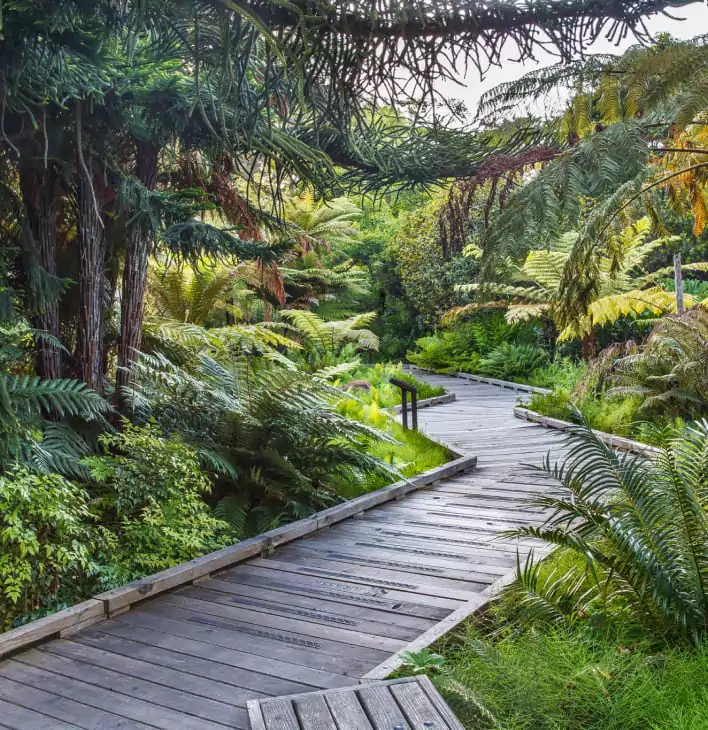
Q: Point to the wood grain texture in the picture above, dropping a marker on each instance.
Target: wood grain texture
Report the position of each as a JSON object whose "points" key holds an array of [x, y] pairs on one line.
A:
{"points": [[317, 605]]}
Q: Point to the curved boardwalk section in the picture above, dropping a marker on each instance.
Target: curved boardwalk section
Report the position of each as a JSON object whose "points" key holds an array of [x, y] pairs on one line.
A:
{"points": [[320, 612]]}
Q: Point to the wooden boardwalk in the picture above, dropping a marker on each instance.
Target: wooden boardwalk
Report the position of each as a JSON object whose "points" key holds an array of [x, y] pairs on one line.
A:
{"points": [[318, 613]]}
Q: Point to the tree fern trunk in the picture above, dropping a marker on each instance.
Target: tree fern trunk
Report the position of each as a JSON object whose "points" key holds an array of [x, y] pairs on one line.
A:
{"points": [[91, 279], [135, 271], [588, 346], [38, 192]]}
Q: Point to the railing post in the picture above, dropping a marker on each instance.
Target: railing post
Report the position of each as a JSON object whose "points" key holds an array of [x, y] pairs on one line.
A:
{"points": [[405, 389]]}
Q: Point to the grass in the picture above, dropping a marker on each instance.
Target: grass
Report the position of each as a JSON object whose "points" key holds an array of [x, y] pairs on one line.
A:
{"points": [[621, 416], [572, 679], [502, 671]]}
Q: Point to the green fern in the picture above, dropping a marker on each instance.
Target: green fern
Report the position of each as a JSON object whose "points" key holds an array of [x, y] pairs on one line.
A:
{"points": [[642, 527]]}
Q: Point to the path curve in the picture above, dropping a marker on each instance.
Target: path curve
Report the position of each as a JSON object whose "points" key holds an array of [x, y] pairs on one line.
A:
{"points": [[317, 613]]}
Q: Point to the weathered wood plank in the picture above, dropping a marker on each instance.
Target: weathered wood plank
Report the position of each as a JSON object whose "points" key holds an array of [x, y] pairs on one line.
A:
{"points": [[15, 717], [84, 613], [341, 591], [280, 714], [321, 655], [444, 597], [90, 695], [416, 706], [157, 671], [381, 707], [347, 710], [314, 713], [229, 666], [304, 609], [63, 709], [131, 686], [320, 628]]}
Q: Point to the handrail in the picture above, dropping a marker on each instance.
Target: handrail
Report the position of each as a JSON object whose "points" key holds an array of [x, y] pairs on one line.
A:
{"points": [[405, 389]]}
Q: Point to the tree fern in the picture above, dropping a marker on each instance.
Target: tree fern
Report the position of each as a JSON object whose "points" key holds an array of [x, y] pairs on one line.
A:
{"points": [[269, 434], [671, 371]]}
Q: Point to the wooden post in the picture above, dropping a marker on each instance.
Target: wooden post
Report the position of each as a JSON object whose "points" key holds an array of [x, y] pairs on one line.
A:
{"points": [[405, 389], [414, 408]]}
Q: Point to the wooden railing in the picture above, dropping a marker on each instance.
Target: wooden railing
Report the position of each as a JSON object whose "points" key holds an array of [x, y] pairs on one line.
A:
{"points": [[405, 389]]}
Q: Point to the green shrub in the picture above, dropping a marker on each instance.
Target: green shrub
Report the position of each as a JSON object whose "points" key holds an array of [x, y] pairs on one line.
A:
{"points": [[47, 540], [149, 493], [461, 347], [512, 362]]}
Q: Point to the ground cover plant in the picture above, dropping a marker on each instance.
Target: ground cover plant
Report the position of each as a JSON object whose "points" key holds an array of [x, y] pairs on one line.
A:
{"points": [[372, 385]]}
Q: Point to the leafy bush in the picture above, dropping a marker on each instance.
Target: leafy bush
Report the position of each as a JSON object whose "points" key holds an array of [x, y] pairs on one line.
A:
{"points": [[671, 374], [642, 527], [445, 352], [149, 493], [512, 362], [47, 541], [461, 347], [269, 435]]}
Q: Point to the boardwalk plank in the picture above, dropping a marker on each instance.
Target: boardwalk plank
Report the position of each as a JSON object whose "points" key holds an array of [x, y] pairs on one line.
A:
{"points": [[319, 613]]}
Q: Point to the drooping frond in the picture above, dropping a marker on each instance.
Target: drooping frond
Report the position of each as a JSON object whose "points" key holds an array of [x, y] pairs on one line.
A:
{"points": [[641, 527]]}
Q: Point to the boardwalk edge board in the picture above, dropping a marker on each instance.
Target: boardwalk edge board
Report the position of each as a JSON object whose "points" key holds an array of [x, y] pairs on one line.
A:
{"points": [[57, 624], [616, 442], [118, 600], [424, 641], [507, 384]]}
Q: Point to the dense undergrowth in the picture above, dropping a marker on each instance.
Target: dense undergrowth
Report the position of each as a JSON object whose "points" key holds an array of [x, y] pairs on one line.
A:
{"points": [[200, 469]]}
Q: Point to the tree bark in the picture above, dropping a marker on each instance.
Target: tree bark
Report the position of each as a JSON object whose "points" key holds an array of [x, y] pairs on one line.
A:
{"points": [[92, 246], [678, 281], [135, 269], [38, 192], [588, 346]]}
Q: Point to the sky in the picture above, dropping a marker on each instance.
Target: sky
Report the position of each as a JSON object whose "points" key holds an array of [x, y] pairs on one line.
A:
{"points": [[695, 23]]}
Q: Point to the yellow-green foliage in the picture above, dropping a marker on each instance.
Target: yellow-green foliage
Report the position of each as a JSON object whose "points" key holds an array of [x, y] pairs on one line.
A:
{"points": [[149, 493], [47, 542], [412, 453], [382, 393]]}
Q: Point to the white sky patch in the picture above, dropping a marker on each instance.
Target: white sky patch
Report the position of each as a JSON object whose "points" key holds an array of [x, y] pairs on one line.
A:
{"points": [[695, 23]]}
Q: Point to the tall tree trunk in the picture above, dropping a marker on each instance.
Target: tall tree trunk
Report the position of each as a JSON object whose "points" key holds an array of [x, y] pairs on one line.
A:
{"points": [[92, 255], [135, 271], [38, 192], [678, 281]]}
